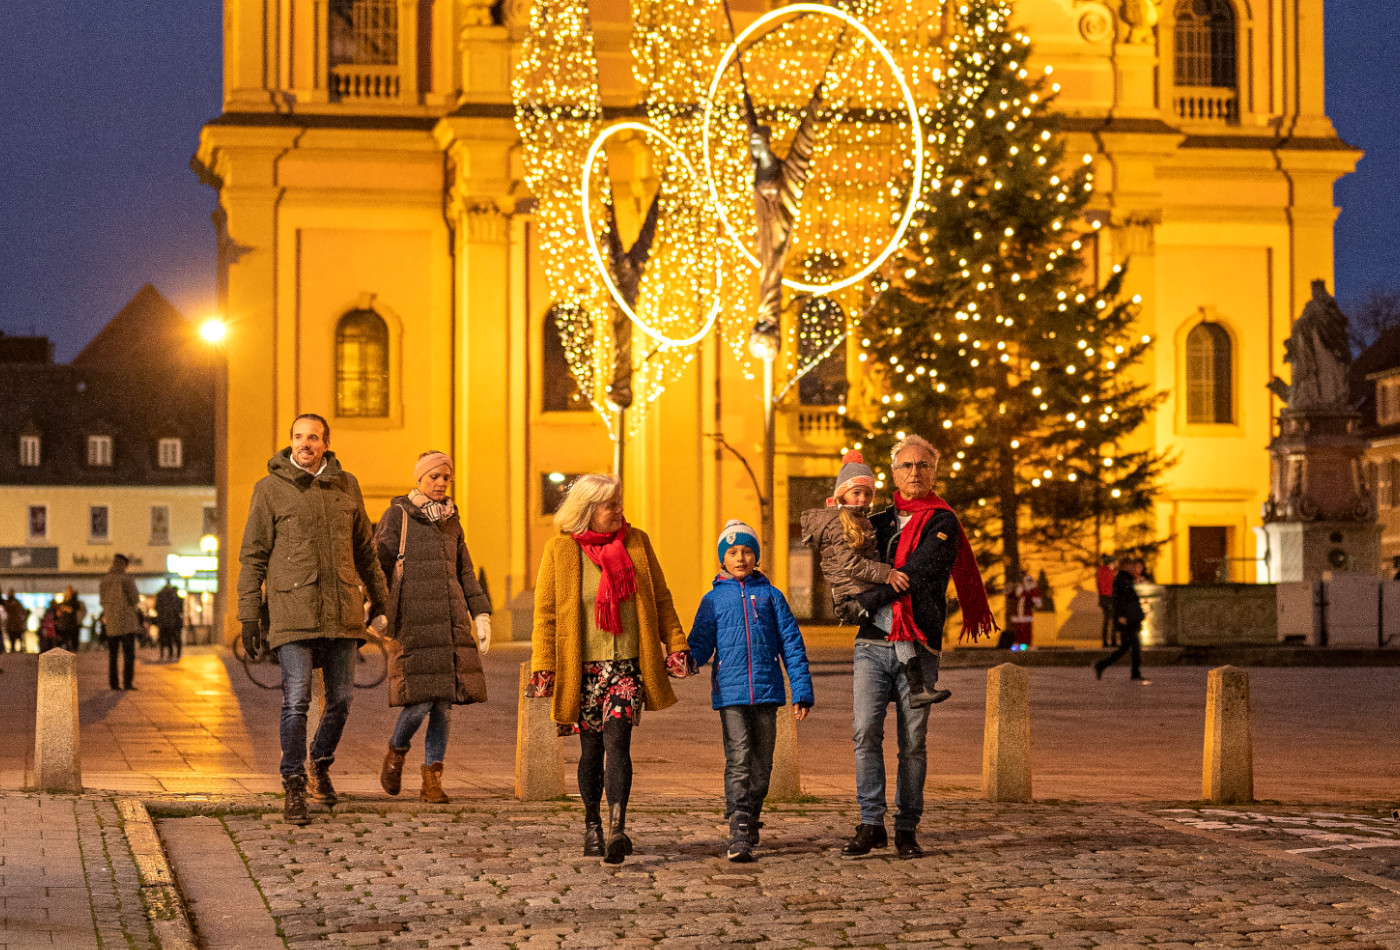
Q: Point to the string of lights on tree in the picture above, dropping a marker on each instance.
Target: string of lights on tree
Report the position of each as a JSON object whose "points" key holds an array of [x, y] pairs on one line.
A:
{"points": [[989, 334]]}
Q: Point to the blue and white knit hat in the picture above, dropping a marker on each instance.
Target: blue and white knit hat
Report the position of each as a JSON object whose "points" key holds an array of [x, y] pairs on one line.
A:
{"points": [[737, 532]]}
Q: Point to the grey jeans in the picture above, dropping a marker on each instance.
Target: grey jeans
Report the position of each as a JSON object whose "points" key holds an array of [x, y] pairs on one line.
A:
{"points": [[749, 734], [879, 680]]}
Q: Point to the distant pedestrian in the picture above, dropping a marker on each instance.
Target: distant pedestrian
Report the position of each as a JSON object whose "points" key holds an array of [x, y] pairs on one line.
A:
{"points": [[121, 612], [843, 541], [1104, 580], [16, 622], [921, 536], [606, 636], [308, 559], [1025, 600], [1128, 615], [744, 624], [68, 619], [170, 621], [441, 621]]}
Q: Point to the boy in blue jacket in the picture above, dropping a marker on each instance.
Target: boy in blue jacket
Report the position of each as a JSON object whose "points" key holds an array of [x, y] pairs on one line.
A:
{"points": [[745, 624]]}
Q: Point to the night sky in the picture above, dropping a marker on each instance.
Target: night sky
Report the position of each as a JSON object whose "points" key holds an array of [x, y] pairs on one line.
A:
{"points": [[101, 105]]}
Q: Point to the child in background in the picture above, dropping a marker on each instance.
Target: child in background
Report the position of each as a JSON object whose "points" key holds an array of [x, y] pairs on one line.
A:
{"points": [[745, 624], [843, 540]]}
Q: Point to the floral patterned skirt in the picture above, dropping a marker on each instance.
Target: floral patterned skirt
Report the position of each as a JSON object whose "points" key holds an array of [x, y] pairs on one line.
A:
{"points": [[611, 690]]}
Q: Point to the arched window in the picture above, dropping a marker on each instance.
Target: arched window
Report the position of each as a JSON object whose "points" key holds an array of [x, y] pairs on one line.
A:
{"points": [[1205, 44], [362, 365], [1209, 369], [821, 335], [558, 391]]}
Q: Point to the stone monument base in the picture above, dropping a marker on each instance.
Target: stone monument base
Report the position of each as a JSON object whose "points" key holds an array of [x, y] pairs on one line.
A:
{"points": [[1291, 551]]}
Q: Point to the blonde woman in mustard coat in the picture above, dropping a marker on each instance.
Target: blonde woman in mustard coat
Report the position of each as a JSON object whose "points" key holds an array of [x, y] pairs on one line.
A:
{"points": [[605, 639]]}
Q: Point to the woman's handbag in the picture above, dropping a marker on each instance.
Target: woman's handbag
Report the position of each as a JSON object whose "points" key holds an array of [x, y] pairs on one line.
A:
{"points": [[391, 609]]}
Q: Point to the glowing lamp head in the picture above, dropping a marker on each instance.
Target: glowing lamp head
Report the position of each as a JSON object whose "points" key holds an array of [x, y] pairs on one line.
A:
{"points": [[213, 330], [763, 341]]}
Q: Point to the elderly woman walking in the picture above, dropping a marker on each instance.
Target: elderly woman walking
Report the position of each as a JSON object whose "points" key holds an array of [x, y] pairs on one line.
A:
{"points": [[606, 636], [435, 602]]}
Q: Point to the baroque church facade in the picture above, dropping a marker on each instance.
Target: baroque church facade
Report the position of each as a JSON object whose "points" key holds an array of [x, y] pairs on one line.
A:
{"points": [[379, 265]]}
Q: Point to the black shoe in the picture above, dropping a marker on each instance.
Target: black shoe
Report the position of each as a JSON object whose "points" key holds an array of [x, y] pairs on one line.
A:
{"points": [[593, 840], [320, 785], [907, 845], [294, 811], [1098, 672], [866, 839], [619, 846], [753, 833], [131, 686], [741, 839]]}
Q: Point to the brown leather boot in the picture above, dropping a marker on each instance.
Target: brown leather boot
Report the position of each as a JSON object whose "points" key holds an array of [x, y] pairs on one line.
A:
{"points": [[391, 772], [294, 810], [432, 785], [319, 784]]}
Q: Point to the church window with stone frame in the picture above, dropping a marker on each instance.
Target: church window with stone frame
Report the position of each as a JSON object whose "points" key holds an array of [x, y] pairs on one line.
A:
{"points": [[364, 32], [362, 366], [558, 390], [1209, 375], [1205, 44], [821, 336]]}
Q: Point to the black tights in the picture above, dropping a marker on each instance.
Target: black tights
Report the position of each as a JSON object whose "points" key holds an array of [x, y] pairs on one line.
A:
{"points": [[605, 764]]}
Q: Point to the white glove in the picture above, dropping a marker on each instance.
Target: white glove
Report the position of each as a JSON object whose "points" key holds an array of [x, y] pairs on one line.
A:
{"points": [[379, 624], [483, 632]]}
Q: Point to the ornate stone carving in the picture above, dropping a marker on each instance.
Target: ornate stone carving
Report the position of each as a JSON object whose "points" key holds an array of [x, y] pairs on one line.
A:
{"points": [[1139, 19], [484, 222], [1319, 351], [1095, 23]]}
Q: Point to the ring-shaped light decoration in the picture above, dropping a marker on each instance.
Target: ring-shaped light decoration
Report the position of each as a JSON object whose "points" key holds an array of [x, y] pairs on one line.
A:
{"points": [[593, 150], [915, 188]]}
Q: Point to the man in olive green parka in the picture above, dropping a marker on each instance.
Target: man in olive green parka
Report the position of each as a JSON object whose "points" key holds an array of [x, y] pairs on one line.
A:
{"points": [[308, 553]]}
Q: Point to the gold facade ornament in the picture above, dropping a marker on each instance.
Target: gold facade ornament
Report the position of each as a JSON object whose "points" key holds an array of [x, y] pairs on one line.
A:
{"points": [[1095, 21], [1139, 19], [484, 221]]}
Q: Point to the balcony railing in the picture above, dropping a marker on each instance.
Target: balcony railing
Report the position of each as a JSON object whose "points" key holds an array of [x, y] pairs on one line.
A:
{"points": [[1207, 104], [364, 83], [822, 427]]}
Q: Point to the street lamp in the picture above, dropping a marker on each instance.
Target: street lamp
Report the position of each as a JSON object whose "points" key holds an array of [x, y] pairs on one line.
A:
{"points": [[213, 330], [765, 343]]}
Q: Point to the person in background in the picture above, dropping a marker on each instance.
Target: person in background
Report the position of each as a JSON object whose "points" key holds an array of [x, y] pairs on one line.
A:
{"points": [[1129, 615], [68, 619], [16, 622], [170, 621], [1104, 579], [121, 612]]}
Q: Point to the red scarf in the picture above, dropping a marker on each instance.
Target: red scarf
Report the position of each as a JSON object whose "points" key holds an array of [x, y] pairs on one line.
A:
{"points": [[619, 580], [967, 579]]}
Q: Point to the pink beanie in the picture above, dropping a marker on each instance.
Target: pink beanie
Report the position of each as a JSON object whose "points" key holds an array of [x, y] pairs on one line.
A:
{"points": [[429, 462]]}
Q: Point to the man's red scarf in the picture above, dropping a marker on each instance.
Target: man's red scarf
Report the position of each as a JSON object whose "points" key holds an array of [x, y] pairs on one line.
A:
{"points": [[967, 579], [619, 580]]}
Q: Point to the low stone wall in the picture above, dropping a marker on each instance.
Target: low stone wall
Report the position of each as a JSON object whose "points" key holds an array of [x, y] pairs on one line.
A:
{"points": [[1209, 614]]}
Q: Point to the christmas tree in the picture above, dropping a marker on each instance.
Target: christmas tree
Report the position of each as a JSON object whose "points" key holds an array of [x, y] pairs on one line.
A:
{"points": [[990, 337]]}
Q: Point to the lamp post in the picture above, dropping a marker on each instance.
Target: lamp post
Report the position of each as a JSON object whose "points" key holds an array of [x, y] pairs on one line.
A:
{"points": [[214, 332], [764, 344]]}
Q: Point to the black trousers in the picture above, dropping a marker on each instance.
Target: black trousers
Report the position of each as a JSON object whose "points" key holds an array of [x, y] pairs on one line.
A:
{"points": [[1129, 641], [127, 645], [1110, 629]]}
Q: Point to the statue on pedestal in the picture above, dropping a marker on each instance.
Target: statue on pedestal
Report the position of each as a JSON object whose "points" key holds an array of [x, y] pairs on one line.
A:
{"points": [[1319, 350]]}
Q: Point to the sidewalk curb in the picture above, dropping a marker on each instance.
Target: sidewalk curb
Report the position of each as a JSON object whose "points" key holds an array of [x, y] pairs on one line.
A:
{"points": [[164, 907]]}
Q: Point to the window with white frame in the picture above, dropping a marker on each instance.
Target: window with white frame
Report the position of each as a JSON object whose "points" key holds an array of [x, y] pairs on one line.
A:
{"points": [[99, 451], [30, 451], [1388, 401], [99, 525], [170, 453]]}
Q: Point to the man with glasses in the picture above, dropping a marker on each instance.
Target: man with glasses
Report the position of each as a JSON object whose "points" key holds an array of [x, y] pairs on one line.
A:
{"points": [[920, 535]]}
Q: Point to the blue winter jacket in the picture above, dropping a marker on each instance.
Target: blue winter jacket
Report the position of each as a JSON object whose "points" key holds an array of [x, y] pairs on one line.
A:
{"points": [[747, 627]]}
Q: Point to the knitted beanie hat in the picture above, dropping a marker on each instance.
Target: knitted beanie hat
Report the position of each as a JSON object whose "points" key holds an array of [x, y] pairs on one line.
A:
{"points": [[430, 461], [854, 472], [737, 532]]}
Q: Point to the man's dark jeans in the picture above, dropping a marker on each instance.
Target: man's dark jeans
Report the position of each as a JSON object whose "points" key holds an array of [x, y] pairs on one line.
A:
{"points": [[337, 667], [127, 645], [749, 735], [1110, 628], [1129, 640]]}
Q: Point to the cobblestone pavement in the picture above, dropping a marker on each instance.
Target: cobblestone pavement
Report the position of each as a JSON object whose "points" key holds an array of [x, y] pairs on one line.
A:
{"points": [[67, 877], [503, 875]]}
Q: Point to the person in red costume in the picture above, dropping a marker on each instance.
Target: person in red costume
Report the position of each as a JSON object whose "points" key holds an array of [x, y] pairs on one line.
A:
{"points": [[920, 535]]}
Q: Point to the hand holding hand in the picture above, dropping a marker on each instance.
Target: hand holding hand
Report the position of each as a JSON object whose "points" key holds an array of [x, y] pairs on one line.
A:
{"points": [[252, 639], [379, 624], [799, 712], [482, 622], [678, 664], [898, 580]]}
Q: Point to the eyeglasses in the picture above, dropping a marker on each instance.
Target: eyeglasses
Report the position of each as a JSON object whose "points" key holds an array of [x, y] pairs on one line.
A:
{"points": [[917, 466]]}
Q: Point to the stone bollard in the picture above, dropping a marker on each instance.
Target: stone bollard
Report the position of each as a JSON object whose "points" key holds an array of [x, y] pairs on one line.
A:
{"points": [[1006, 739], [539, 761], [786, 781], [57, 765], [1227, 770]]}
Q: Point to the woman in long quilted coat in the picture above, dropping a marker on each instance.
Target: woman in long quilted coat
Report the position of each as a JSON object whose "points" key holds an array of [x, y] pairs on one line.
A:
{"points": [[442, 621]]}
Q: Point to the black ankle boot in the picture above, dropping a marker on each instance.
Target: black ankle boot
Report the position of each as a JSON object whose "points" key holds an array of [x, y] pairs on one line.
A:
{"points": [[618, 844], [320, 784], [592, 831], [866, 839], [294, 811]]}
